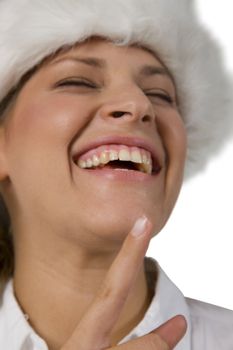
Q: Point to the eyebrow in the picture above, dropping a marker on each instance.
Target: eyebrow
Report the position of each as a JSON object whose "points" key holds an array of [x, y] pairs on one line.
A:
{"points": [[146, 70]]}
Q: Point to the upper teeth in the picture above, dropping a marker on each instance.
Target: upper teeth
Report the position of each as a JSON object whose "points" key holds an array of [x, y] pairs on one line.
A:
{"points": [[105, 154]]}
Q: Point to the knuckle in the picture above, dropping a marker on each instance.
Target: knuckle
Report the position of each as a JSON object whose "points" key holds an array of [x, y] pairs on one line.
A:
{"points": [[109, 292], [106, 291]]}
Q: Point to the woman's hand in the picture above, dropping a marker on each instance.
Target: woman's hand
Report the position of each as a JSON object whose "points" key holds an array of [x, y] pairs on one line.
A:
{"points": [[94, 330]]}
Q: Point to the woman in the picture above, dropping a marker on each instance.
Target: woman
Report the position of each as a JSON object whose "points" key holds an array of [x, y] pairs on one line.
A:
{"points": [[104, 106]]}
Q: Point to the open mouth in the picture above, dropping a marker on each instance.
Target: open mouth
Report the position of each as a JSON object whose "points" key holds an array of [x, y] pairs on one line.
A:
{"points": [[119, 158]]}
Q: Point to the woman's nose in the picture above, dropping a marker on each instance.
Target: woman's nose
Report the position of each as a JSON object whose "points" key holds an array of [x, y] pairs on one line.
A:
{"points": [[128, 107]]}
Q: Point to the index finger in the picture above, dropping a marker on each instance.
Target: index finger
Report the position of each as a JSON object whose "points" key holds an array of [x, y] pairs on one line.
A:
{"points": [[94, 330]]}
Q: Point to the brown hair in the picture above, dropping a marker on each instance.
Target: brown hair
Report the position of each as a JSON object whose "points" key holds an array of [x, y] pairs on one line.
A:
{"points": [[6, 244], [6, 239]]}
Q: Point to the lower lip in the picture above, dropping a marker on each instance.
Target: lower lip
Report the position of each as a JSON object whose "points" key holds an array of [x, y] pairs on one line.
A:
{"points": [[121, 174]]}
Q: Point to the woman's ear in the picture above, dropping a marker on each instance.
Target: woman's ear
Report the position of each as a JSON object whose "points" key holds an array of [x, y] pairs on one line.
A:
{"points": [[3, 160]]}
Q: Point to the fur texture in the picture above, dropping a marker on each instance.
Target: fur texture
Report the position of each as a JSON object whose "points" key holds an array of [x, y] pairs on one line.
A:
{"points": [[33, 29]]}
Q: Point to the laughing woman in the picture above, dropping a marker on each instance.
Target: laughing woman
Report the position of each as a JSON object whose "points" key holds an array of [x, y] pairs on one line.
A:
{"points": [[106, 106]]}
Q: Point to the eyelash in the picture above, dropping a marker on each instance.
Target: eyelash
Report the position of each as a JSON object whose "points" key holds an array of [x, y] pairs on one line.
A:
{"points": [[75, 83], [164, 97]]}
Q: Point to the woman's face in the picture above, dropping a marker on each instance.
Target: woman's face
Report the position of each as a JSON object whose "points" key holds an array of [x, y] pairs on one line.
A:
{"points": [[66, 105]]}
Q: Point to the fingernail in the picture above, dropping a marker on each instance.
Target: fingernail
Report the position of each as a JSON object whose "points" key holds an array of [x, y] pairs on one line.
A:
{"points": [[139, 226]]}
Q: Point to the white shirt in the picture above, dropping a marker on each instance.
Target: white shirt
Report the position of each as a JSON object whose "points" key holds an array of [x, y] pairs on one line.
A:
{"points": [[209, 327]]}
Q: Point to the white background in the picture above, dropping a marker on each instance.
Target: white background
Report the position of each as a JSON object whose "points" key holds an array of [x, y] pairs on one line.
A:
{"points": [[196, 246]]}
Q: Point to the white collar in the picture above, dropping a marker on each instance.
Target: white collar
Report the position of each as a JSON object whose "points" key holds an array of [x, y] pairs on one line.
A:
{"points": [[167, 302]]}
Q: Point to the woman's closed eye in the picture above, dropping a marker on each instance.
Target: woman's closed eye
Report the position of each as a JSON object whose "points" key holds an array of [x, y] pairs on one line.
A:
{"points": [[162, 96], [75, 82]]}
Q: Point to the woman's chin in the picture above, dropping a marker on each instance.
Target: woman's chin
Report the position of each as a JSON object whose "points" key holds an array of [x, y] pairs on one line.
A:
{"points": [[116, 225]]}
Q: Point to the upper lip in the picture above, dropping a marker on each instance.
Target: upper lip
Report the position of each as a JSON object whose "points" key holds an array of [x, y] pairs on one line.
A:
{"points": [[122, 140]]}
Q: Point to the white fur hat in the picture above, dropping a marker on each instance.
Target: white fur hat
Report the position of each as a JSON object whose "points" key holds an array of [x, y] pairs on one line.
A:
{"points": [[30, 30]]}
